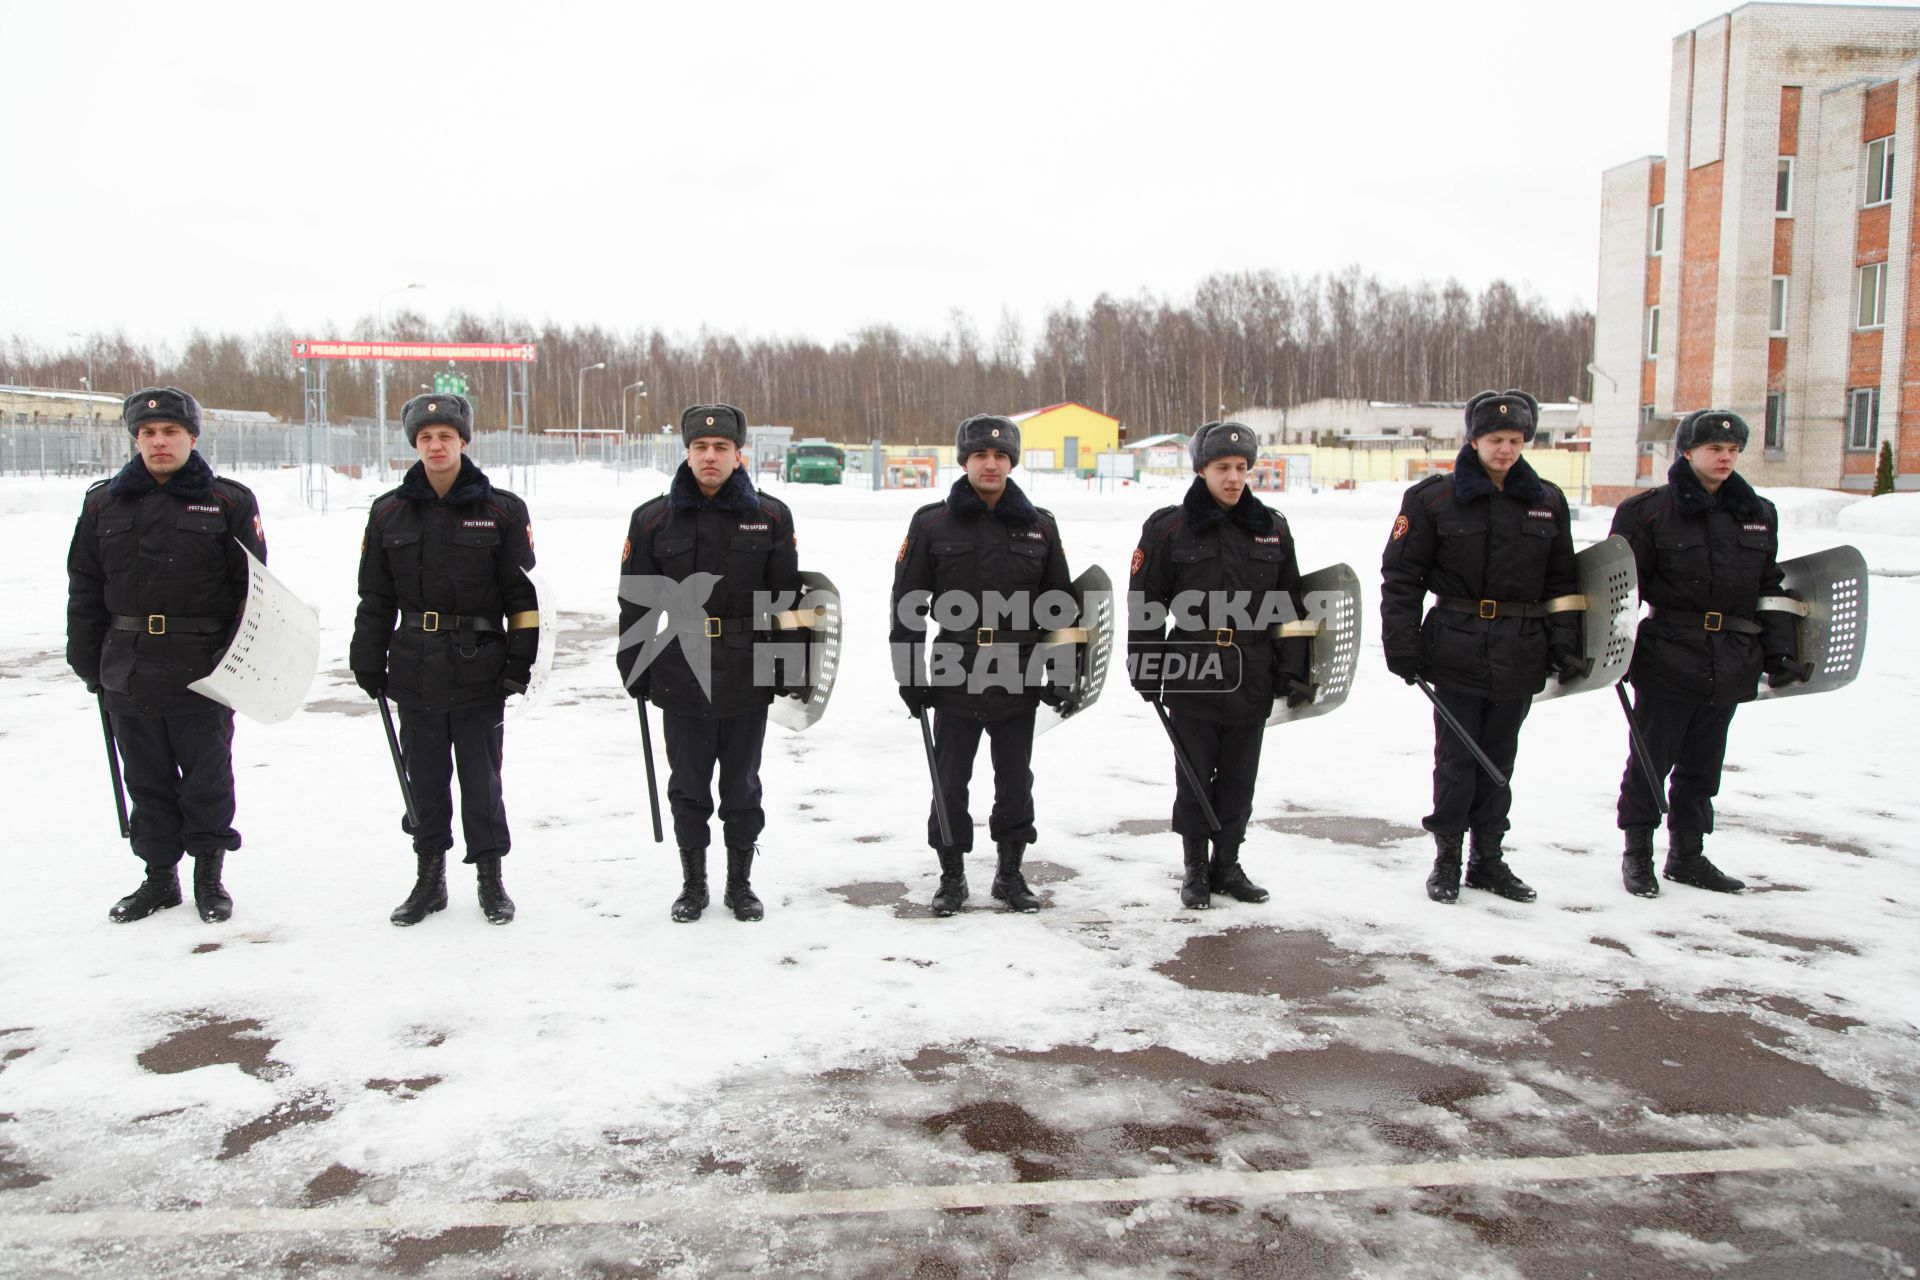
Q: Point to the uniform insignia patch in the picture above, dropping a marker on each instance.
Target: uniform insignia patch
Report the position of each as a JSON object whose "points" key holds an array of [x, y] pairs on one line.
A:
{"points": [[529, 535], [1271, 539], [153, 404], [431, 406], [259, 533], [1503, 408], [1139, 560], [478, 524], [761, 527], [903, 550], [1541, 514], [1036, 535], [201, 506], [1755, 528], [709, 419], [626, 550], [1399, 528]]}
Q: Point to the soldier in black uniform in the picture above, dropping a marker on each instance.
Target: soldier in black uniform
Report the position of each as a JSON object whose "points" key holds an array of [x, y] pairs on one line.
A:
{"points": [[711, 522], [447, 552], [1706, 545], [1220, 540], [986, 537], [156, 580], [1494, 542]]}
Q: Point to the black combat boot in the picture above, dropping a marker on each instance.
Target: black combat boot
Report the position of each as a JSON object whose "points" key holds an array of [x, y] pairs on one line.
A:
{"points": [[1636, 864], [209, 895], [1225, 875], [1196, 886], [1686, 864], [429, 891], [493, 895], [1009, 885], [1487, 869], [161, 889], [953, 882], [1443, 882], [693, 886], [739, 894]]}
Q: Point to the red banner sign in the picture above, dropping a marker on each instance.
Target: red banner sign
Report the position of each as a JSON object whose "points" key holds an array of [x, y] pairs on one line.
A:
{"points": [[329, 349]]}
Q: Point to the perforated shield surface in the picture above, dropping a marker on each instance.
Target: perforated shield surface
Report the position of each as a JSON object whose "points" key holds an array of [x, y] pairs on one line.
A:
{"points": [[1611, 583], [1331, 597], [823, 654], [1833, 634]]}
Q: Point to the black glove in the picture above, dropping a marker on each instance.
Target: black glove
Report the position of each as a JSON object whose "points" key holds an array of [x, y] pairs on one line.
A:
{"points": [[1148, 692], [1299, 691], [1060, 699], [1404, 665], [93, 686], [1567, 665], [637, 687], [372, 683], [916, 698], [1782, 670], [518, 675]]}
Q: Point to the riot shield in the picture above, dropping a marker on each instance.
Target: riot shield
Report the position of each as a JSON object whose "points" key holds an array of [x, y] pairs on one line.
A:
{"points": [[1610, 586], [815, 622], [270, 662], [1331, 597], [1832, 618], [549, 634], [1093, 651]]}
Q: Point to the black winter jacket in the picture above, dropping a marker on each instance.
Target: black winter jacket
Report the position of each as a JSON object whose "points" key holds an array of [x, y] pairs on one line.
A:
{"points": [[745, 540], [1459, 537], [960, 550], [1202, 547], [141, 550], [1698, 552], [461, 556]]}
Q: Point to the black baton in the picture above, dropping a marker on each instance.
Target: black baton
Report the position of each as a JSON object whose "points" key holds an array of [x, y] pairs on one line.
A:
{"points": [[1187, 770], [113, 768], [933, 773], [399, 767], [1460, 731], [653, 787], [1640, 748]]}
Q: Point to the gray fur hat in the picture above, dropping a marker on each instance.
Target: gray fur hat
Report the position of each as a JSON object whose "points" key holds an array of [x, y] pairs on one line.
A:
{"points": [[161, 404], [1710, 426], [1503, 411], [721, 420], [987, 431], [1218, 440], [434, 409]]}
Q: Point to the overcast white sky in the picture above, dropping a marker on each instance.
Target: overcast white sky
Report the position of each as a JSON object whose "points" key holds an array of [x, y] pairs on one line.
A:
{"points": [[794, 169]]}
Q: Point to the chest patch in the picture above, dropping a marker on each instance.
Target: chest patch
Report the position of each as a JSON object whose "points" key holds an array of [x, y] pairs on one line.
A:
{"points": [[1268, 540], [761, 527], [1754, 528], [479, 524], [1032, 535], [1539, 513], [205, 508]]}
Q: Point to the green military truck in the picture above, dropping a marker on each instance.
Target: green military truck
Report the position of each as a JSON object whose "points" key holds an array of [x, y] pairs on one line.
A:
{"points": [[815, 462]]}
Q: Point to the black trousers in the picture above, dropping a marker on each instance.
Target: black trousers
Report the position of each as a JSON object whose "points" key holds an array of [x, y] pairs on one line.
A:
{"points": [[1687, 739], [1464, 797], [179, 775], [1227, 759], [694, 746], [956, 740], [436, 744]]}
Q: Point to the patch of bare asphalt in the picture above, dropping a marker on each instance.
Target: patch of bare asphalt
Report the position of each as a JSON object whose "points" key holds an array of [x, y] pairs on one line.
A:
{"points": [[1340, 828], [412, 1255], [342, 706], [409, 1088], [1292, 964], [212, 1041], [305, 1108], [1795, 943], [335, 1182]]}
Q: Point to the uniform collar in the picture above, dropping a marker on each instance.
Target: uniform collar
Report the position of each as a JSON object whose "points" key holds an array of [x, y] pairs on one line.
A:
{"points": [[1013, 506], [1735, 497], [471, 485], [1471, 481], [193, 480], [737, 494], [1204, 513]]}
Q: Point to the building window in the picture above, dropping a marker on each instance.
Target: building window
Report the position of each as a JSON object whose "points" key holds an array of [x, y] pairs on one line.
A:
{"points": [[1783, 189], [1653, 332], [1776, 437], [1873, 296], [1863, 419], [1777, 309], [1879, 171], [1657, 230]]}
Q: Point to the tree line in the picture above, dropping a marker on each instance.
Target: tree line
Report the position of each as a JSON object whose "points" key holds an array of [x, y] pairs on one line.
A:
{"points": [[1242, 340]]}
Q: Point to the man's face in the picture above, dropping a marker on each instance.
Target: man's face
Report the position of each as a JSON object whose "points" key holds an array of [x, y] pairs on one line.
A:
{"points": [[712, 459], [1713, 463], [164, 447], [1499, 450], [1226, 479], [439, 447], [987, 470]]}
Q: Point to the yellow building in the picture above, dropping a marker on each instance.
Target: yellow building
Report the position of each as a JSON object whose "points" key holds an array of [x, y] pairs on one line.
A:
{"points": [[1065, 437]]}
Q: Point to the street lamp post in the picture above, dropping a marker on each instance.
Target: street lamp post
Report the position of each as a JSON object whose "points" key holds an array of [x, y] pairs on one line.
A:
{"points": [[380, 367], [580, 404], [641, 387]]}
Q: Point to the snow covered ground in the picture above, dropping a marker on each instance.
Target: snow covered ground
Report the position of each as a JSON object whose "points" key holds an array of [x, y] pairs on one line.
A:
{"points": [[453, 1083]]}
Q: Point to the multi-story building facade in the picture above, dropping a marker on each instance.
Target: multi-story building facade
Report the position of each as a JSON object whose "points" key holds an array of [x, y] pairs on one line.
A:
{"points": [[1767, 263]]}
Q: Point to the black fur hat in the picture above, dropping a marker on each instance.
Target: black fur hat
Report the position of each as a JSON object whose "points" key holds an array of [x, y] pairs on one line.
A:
{"points": [[161, 404], [1508, 410], [429, 408], [1710, 426], [714, 420], [1223, 440], [987, 431]]}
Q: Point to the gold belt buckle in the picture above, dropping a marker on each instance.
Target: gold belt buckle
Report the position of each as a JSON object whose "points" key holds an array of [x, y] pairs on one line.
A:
{"points": [[1223, 637], [983, 637], [156, 624], [1714, 621], [1489, 609], [430, 621], [713, 628]]}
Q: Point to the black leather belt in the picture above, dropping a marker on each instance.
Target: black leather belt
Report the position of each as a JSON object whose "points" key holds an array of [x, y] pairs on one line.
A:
{"points": [[1491, 609], [1223, 637], [1708, 621], [717, 627], [987, 637], [432, 621], [162, 624]]}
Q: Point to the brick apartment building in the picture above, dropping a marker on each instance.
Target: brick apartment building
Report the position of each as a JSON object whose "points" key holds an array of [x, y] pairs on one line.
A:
{"points": [[1767, 263]]}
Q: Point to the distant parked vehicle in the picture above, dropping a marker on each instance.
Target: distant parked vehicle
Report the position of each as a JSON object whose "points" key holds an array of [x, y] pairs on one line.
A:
{"points": [[815, 462]]}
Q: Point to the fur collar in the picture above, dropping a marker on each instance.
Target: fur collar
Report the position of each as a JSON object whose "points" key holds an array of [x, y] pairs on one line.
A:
{"points": [[1736, 497], [1203, 512], [1013, 505], [193, 480], [737, 494], [471, 485], [1471, 481]]}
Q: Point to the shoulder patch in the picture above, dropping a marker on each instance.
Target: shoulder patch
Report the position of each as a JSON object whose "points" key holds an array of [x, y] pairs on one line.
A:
{"points": [[626, 549], [901, 555], [1139, 562], [1400, 524]]}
